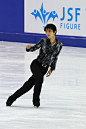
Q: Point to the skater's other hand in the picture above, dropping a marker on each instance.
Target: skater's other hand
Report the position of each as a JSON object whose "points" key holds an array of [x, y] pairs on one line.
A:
{"points": [[48, 74], [28, 46]]}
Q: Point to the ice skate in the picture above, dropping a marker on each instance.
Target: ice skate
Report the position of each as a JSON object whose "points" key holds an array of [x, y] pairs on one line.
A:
{"points": [[36, 103], [9, 101]]}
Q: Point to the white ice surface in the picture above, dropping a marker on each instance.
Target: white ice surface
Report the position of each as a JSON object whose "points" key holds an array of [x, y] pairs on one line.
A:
{"points": [[63, 96]]}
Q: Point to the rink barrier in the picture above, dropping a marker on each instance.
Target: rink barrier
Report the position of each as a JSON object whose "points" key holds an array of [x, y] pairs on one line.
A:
{"points": [[73, 41]]}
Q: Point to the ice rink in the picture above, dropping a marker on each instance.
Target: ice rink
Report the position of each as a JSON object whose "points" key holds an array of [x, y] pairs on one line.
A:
{"points": [[63, 96]]}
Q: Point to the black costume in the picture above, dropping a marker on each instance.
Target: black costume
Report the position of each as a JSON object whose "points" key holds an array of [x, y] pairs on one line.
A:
{"points": [[47, 58]]}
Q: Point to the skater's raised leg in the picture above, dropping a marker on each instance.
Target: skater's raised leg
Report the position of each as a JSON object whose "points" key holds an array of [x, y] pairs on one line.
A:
{"points": [[25, 88]]}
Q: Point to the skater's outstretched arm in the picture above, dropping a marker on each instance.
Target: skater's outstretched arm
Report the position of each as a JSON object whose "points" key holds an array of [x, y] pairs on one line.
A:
{"points": [[35, 47]]}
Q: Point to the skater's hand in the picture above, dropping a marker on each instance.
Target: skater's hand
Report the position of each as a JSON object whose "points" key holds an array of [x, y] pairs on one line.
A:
{"points": [[28, 46], [48, 74]]}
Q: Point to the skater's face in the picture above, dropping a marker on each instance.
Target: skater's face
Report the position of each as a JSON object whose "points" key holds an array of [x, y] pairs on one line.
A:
{"points": [[50, 34]]}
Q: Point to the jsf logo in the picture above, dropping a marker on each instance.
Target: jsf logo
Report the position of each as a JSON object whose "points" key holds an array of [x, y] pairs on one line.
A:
{"points": [[43, 13], [68, 25]]}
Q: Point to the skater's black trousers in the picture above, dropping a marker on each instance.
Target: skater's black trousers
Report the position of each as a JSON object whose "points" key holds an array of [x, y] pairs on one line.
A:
{"points": [[35, 80]]}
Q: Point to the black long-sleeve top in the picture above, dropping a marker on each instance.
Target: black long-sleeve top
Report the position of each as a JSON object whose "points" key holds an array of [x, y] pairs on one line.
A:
{"points": [[48, 54]]}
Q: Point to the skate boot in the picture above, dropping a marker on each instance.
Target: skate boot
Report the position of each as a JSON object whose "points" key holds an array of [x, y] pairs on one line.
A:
{"points": [[36, 102], [9, 101]]}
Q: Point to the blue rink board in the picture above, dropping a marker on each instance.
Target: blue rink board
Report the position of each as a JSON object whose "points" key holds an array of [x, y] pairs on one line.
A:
{"points": [[73, 41]]}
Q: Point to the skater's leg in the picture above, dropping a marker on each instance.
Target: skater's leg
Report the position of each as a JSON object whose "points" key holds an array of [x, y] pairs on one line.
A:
{"points": [[25, 88], [38, 76]]}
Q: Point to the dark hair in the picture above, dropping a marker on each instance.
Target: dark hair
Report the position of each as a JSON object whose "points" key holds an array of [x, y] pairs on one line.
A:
{"points": [[50, 26]]}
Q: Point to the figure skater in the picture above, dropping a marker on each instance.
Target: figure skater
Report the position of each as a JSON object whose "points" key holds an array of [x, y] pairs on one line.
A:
{"points": [[49, 50]]}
